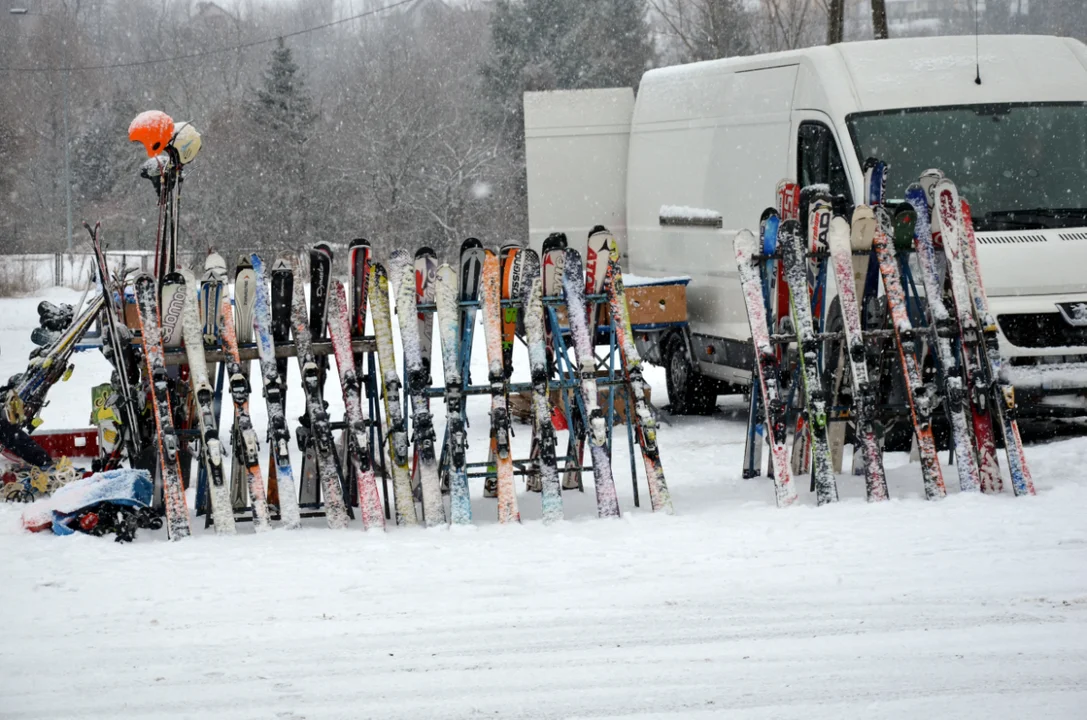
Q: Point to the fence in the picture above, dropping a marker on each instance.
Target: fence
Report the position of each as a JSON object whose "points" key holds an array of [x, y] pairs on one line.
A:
{"points": [[27, 273]]}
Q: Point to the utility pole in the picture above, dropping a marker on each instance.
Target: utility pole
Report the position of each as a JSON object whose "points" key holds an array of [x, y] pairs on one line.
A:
{"points": [[835, 21], [879, 19], [67, 137]]}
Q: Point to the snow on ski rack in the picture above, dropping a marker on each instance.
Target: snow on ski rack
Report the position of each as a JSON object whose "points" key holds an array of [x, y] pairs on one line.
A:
{"points": [[906, 403]]}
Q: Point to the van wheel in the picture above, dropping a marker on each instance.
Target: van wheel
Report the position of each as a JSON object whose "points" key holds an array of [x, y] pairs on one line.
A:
{"points": [[690, 392]]}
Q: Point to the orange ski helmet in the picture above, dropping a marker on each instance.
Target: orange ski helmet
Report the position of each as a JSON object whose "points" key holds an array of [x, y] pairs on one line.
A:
{"points": [[154, 129]]}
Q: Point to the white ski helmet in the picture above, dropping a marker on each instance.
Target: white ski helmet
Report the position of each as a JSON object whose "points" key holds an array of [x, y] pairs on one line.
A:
{"points": [[186, 141]]}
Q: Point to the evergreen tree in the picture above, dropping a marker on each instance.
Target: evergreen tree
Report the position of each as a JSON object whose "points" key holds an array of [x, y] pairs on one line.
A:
{"points": [[281, 106], [560, 45], [282, 114]]}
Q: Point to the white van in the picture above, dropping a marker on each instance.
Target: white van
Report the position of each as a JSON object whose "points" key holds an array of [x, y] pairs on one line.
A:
{"points": [[719, 135]]}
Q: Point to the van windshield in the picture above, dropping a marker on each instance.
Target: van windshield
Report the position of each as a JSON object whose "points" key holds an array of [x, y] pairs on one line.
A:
{"points": [[1022, 166]]}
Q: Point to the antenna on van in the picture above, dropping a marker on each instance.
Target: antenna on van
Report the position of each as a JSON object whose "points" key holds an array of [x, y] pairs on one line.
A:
{"points": [[977, 51]]}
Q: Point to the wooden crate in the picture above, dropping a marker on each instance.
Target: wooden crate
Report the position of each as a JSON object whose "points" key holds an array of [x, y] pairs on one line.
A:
{"points": [[657, 304]]}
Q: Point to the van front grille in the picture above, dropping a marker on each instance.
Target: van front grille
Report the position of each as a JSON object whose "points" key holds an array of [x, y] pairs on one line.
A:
{"points": [[1041, 330], [1008, 239]]}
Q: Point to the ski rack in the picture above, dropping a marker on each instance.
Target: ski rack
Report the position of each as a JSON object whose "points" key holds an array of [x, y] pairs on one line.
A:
{"points": [[365, 347], [609, 377], [884, 337]]}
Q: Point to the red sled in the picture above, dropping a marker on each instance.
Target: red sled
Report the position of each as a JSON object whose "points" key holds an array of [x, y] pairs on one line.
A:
{"points": [[81, 442]]}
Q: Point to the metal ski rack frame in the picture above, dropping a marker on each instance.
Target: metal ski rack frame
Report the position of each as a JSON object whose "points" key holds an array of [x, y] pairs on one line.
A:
{"points": [[365, 346], [609, 376], [884, 335]]}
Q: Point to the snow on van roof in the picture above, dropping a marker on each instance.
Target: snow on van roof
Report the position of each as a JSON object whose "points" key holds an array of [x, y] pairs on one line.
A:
{"points": [[925, 71], [942, 70]]}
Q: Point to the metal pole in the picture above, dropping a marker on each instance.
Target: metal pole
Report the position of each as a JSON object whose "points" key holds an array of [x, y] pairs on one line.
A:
{"points": [[67, 150]]}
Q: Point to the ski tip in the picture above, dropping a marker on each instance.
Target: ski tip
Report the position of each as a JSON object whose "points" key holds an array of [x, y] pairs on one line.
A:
{"points": [[573, 262], [597, 229], [470, 244], [554, 241], [746, 245], [246, 261], [359, 242], [425, 252]]}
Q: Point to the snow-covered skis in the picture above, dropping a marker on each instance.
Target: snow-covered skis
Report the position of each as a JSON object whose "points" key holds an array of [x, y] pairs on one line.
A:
{"points": [[573, 284], [948, 220], [120, 354], [404, 286], [448, 314], [177, 512], [766, 365], [245, 287], [373, 516], [390, 385], [282, 281], [211, 448], [532, 311], [795, 260], [279, 435], [918, 395], [966, 463], [1002, 393], [490, 296], [864, 395], [320, 426], [644, 423], [246, 444]]}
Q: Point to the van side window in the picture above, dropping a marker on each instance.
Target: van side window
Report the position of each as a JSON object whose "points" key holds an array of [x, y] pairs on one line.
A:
{"points": [[819, 161]]}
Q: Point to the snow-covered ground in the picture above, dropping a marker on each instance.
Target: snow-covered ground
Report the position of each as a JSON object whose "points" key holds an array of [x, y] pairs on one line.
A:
{"points": [[972, 607]]}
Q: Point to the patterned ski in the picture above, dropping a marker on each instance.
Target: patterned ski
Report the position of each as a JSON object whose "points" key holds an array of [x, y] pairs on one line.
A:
{"points": [[795, 261], [864, 395], [947, 217], [177, 513], [245, 288], [358, 263], [918, 395], [644, 422], [358, 449], [246, 444], [607, 503], [543, 431], [404, 287], [1002, 394], [282, 280], [766, 365], [448, 313], [426, 267], [390, 384], [490, 295], [211, 448], [966, 463], [320, 425], [279, 435]]}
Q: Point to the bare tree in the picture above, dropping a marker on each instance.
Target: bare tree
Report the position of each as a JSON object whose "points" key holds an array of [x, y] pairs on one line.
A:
{"points": [[791, 24], [705, 29]]}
